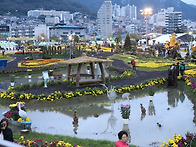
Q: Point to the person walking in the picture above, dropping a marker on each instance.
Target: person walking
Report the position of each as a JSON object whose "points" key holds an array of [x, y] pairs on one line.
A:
{"points": [[182, 69], [6, 133], [122, 142]]}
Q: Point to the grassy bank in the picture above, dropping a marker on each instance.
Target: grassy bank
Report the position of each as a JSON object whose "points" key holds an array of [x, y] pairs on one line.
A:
{"points": [[71, 140]]}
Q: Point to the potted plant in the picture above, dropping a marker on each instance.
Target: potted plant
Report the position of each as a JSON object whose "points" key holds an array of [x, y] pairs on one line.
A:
{"points": [[12, 80], [125, 112], [151, 91]]}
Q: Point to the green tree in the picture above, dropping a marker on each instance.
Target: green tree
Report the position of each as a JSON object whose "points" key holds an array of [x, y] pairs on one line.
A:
{"points": [[85, 39], [118, 39], [76, 38], [127, 42], [134, 36], [54, 37], [94, 39]]}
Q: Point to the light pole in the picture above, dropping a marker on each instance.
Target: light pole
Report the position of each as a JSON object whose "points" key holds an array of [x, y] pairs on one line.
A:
{"points": [[146, 12], [190, 45], [70, 38]]}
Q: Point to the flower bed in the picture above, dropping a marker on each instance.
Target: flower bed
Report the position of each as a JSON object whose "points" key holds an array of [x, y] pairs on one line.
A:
{"points": [[19, 52], [88, 91], [39, 62], [40, 142]]}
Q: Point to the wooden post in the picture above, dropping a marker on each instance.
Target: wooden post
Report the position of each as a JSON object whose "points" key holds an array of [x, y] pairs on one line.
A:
{"points": [[92, 70], [78, 74], [69, 72], [102, 73]]}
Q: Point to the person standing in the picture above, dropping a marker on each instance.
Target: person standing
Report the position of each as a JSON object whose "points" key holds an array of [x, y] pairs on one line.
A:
{"points": [[177, 69], [122, 142], [6, 133], [182, 69], [133, 64]]}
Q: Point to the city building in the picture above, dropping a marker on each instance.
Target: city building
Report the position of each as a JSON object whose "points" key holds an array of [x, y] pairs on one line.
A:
{"points": [[129, 12], [32, 31], [104, 19], [63, 15], [4, 32], [167, 21], [116, 11], [52, 20], [62, 32]]}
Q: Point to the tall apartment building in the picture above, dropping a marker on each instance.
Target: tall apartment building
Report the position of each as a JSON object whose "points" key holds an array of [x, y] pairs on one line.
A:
{"points": [[116, 11], [129, 11], [104, 19], [173, 21], [168, 20]]}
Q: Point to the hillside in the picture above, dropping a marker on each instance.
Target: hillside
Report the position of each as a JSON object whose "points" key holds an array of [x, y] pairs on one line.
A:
{"points": [[20, 7], [187, 10]]}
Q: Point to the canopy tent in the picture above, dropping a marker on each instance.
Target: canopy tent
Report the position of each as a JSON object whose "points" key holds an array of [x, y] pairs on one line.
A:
{"points": [[85, 60], [164, 38], [7, 44]]}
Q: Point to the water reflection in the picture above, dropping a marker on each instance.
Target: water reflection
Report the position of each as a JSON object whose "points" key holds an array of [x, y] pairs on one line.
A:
{"points": [[111, 120], [126, 128], [75, 122], [141, 133], [151, 108], [174, 95], [143, 111]]}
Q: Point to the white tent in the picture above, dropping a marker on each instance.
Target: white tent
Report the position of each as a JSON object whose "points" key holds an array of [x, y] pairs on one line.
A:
{"points": [[7, 44], [164, 38]]}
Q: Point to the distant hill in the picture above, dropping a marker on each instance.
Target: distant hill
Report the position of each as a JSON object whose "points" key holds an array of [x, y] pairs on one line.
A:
{"points": [[20, 7], [188, 11]]}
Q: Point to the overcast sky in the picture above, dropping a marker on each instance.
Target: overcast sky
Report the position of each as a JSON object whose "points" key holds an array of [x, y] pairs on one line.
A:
{"points": [[189, 1]]}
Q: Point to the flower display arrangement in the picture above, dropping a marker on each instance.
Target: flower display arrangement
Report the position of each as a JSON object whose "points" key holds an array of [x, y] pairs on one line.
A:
{"points": [[13, 113], [125, 111]]}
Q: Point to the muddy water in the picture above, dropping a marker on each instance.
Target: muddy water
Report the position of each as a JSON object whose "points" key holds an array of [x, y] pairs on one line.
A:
{"points": [[102, 119]]}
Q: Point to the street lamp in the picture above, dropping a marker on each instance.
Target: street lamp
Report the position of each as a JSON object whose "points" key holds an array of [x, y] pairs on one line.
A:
{"points": [[190, 45], [146, 12]]}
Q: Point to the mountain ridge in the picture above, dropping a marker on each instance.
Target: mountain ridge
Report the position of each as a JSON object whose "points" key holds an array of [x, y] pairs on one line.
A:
{"points": [[187, 9], [20, 7]]}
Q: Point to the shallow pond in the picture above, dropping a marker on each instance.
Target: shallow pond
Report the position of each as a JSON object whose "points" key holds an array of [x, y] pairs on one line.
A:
{"points": [[102, 119]]}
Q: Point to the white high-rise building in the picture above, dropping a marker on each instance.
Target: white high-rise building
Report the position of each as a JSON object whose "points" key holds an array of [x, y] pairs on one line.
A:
{"points": [[129, 11], [116, 11], [104, 19]]}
